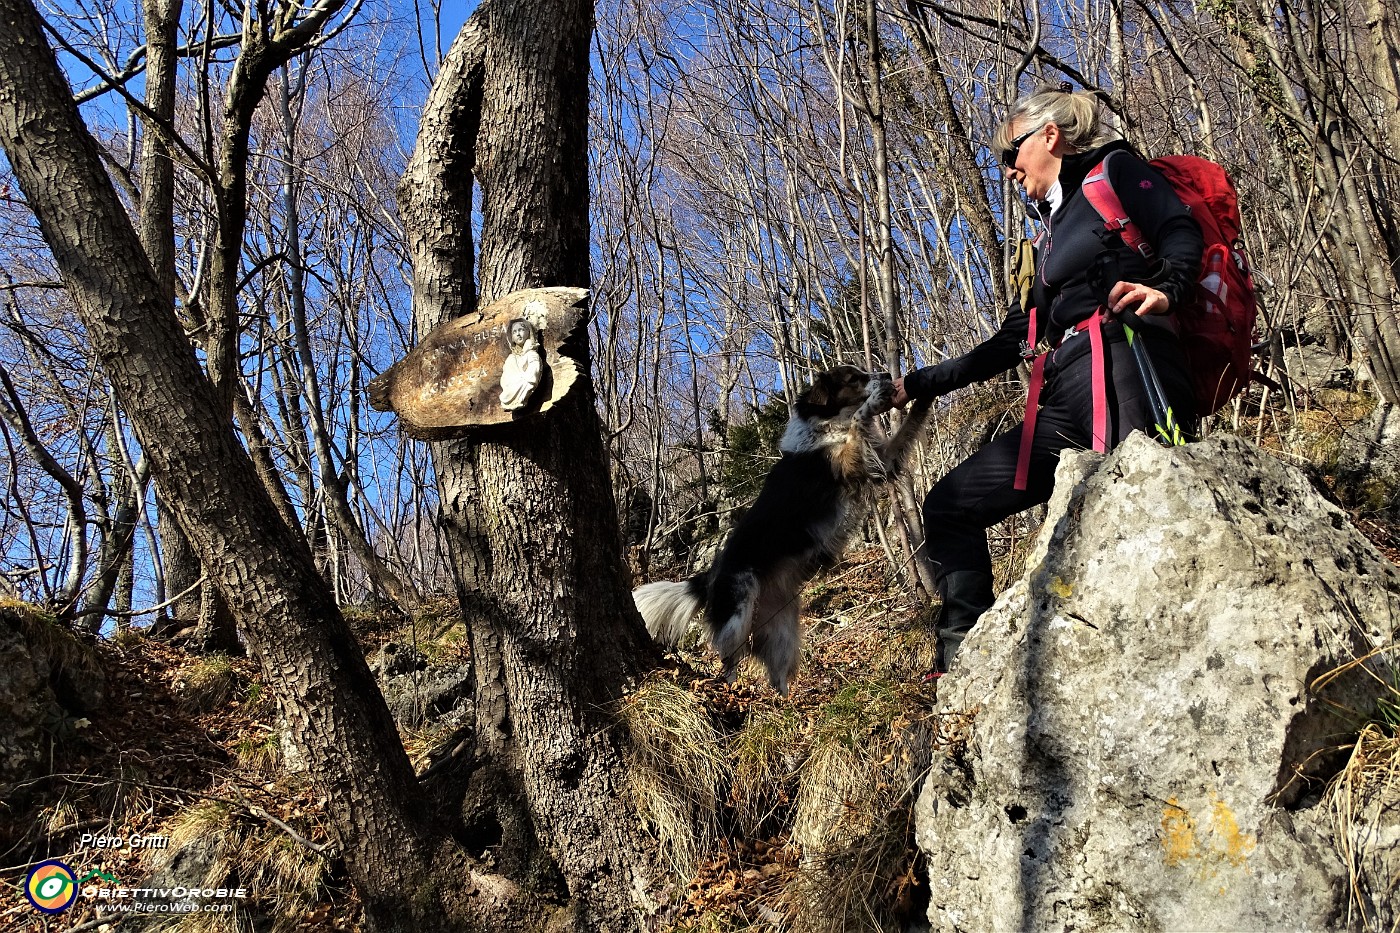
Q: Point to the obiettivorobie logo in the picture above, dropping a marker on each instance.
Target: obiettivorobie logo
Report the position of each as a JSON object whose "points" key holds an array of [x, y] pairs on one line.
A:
{"points": [[52, 886]]}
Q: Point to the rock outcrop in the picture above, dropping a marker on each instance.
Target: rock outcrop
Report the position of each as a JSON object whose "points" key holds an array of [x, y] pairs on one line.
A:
{"points": [[420, 694], [1373, 447], [26, 703], [1153, 711], [48, 681], [1314, 367]]}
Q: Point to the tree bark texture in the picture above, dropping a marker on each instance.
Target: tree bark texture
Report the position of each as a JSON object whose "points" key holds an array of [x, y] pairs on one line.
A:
{"points": [[182, 573], [528, 507], [261, 566], [269, 41]]}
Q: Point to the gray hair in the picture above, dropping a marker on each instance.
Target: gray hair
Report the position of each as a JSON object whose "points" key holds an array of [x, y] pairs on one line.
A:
{"points": [[1076, 113]]}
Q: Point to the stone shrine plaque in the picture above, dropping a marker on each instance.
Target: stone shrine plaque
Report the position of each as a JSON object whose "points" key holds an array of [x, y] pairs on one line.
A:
{"points": [[454, 377]]}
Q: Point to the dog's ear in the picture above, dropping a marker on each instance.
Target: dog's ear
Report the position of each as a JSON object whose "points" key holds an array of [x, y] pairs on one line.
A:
{"points": [[817, 401], [819, 395]]}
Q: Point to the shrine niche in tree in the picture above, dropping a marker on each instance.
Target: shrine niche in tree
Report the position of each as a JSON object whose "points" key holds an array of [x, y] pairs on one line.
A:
{"points": [[493, 366]]}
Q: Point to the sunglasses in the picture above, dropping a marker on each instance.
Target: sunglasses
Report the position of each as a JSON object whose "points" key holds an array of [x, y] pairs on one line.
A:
{"points": [[1012, 152]]}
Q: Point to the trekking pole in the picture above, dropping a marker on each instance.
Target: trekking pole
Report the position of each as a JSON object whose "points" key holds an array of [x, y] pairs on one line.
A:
{"points": [[1164, 419]]}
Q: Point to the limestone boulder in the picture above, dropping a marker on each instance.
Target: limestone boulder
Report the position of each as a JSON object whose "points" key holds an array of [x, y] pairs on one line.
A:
{"points": [[1314, 367], [1373, 446], [1150, 716]]}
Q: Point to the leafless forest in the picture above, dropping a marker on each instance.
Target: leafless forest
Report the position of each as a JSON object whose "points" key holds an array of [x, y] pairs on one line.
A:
{"points": [[774, 188]]}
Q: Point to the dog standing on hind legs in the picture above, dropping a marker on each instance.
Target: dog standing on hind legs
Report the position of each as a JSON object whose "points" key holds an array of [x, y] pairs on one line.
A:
{"points": [[812, 502]]}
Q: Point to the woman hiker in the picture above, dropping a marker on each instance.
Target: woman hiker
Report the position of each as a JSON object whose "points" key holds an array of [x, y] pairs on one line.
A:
{"points": [[1085, 278]]}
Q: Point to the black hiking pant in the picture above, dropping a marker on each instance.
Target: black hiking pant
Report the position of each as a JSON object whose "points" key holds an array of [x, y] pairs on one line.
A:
{"points": [[979, 492]]}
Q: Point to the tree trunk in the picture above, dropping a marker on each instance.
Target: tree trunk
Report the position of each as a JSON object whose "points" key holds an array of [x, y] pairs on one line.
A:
{"points": [[909, 520], [336, 715], [114, 559], [156, 229], [528, 507], [181, 572]]}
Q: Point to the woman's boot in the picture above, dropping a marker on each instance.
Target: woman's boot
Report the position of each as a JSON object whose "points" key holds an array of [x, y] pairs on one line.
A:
{"points": [[966, 595]]}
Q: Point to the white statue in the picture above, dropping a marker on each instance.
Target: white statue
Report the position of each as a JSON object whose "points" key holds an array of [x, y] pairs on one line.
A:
{"points": [[521, 372]]}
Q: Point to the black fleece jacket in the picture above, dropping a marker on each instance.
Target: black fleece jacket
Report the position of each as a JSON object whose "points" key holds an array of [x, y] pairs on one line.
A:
{"points": [[1077, 261]]}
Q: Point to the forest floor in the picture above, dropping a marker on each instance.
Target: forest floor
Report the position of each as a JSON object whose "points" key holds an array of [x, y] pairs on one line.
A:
{"points": [[785, 813], [184, 756], [182, 749], [814, 826]]}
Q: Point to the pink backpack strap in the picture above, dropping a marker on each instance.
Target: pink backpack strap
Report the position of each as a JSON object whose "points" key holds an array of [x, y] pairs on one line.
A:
{"points": [[1105, 200], [1098, 383], [1023, 454]]}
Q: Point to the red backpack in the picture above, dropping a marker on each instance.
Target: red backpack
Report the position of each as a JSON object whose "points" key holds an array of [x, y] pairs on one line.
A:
{"points": [[1217, 328]]}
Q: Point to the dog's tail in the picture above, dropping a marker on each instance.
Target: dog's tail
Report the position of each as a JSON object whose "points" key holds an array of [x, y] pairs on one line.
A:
{"points": [[667, 608]]}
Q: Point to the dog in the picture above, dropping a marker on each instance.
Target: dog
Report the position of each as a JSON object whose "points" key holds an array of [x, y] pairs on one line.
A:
{"points": [[811, 503]]}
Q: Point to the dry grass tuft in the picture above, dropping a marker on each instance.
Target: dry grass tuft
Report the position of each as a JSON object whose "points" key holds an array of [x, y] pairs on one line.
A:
{"points": [[865, 881], [678, 768], [127, 795], [1364, 799], [59, 818], [870, 746], [271, 862], [207, 685], [767, 755], [209, 819], [260, 755], [1365, 803], [217, 845], [258, 702]]}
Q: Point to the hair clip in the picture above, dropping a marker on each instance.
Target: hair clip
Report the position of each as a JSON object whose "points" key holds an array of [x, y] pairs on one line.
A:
{"points": [[1066, 87]]}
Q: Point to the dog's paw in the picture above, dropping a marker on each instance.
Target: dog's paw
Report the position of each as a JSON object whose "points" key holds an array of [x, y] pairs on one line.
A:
{"points": [[880, 398]]}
